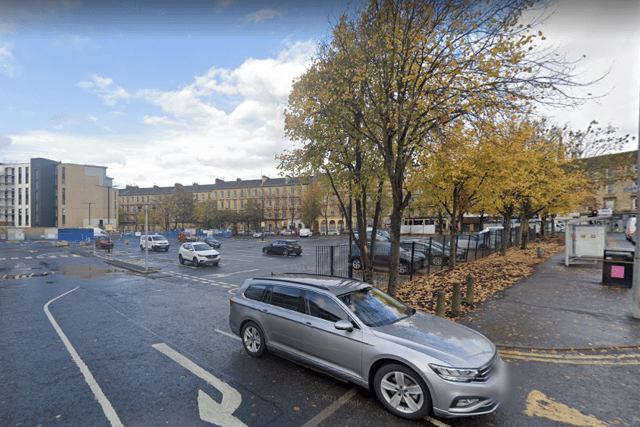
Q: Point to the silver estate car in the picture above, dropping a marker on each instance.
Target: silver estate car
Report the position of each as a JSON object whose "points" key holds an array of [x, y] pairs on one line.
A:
{"points": [[415, 362]]}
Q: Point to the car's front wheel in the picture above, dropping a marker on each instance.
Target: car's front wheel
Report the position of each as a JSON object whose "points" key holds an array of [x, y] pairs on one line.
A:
{"points": [[141, 248], [357, 264], [180, 259], [403, 268], [253, 339], [195, 261], [436, 260], [285, 252], [402, 392]]}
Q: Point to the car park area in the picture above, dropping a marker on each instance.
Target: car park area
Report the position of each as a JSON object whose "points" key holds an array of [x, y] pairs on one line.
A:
{"points": [[85, 342]]}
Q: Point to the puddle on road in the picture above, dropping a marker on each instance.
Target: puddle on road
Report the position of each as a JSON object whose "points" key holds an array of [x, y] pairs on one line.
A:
{"points": [[87, 272]]}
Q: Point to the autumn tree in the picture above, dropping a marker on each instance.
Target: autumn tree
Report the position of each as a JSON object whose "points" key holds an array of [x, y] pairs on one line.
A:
{"points": [[452, 174], [205, 213], [181, 205], [406, 68]]}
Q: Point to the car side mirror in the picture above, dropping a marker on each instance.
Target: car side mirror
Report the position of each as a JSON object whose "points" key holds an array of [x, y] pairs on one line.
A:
{"points": [[344, 325]]}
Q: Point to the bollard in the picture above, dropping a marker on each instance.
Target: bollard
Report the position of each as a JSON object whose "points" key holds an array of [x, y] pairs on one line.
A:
{"points": [[455, 302], [539, 252], [470, 290], [440, 304]]}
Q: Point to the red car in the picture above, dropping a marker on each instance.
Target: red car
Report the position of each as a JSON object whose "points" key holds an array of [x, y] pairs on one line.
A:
{"points": [[186, 237], [103, 243]]}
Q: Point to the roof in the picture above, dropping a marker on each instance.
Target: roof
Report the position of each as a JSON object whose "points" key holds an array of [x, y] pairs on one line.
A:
{"points": [[238, 184], [335, 285]]}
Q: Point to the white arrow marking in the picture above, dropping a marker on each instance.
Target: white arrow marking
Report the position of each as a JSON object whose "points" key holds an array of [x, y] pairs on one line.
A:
{"points": [[210, 410]]}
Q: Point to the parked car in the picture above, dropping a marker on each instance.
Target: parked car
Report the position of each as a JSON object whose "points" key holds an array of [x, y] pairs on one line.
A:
{"points": [[104, 243], [631, 230], [212, 241], [305, 232], [437, 254], [333, 232], [283, 247], [198, 253], [258, 234], [382, 258], [186, 237], [416, 363], [381, 235], [287, 232], [155, 242]]}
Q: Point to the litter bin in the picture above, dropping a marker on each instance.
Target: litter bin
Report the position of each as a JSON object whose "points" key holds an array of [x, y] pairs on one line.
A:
{"points": [[617, 268]]}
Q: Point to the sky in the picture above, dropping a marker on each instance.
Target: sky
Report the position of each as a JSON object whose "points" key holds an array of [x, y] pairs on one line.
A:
{"points": [[163, 92]]}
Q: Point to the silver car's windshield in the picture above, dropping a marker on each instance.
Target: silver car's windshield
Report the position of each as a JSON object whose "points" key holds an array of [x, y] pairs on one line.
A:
{"points": [[375, 308]]}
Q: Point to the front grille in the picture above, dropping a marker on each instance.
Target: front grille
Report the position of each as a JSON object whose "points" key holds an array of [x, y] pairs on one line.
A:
{"points": [[486, 370]]}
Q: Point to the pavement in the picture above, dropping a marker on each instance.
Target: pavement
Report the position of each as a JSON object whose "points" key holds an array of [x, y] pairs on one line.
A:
{"points": [[559, 308]]}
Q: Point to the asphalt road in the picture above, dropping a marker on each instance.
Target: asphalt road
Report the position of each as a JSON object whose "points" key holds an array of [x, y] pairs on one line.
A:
{"points": [[85, 343]]}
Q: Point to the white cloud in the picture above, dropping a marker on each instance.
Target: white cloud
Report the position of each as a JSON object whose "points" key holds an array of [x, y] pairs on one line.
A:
{"points": [[8, 63], [262, 15], [105, 89], [195, 137]]}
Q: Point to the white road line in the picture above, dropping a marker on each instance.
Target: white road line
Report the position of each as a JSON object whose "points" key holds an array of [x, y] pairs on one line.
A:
{"points": [[329, 410], [95, 388], [227, 334]]}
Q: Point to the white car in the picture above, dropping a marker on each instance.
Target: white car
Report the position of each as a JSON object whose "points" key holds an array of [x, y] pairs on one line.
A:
{"points": [[154, 242], [198, 253]]}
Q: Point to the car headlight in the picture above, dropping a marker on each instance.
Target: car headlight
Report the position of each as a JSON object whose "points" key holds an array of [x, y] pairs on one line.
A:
{"points": [[458, 375]]}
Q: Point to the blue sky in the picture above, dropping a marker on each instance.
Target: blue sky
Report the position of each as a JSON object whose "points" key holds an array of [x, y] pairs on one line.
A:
{"points": [[163, 92]]}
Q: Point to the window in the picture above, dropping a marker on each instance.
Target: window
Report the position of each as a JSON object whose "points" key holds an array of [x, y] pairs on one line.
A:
{"points": [[19, 196], [19, 217], [26, 217], [19, 175], [26, 196], [64, 174], [325, 308], [287, 298], [26, 175], [235, 193], [64, 196], [291, 190], [277, 191], [255, 292], [228, 194], [64, 217], [235, 204], [610, 188]]}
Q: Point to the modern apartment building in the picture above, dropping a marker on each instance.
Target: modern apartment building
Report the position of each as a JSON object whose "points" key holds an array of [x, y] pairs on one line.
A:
{"points": [[46, 193]]}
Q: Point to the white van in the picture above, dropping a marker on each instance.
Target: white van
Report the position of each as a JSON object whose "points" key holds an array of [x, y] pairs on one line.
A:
{"points": [[305, 232], [631, 229], [99, 232], [154, 242]]}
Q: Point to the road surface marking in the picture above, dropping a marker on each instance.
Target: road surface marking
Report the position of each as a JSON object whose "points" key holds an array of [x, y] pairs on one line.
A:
{"points": [[210, 410], [539, 405], [95, 388], [574, 359], [227, 334], [329, 410]]}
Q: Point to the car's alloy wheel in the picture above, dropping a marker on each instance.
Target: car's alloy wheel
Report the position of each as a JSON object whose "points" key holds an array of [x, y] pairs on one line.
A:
{"points": [[436, 260], [285, 252], [403, 268], [141, 248], [195, 261], [357, 264], [253, 339], [180, 259], [402, 392]]}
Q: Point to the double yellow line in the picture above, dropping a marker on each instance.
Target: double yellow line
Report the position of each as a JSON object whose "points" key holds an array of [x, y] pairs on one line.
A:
{"points": [[621, 357]]}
